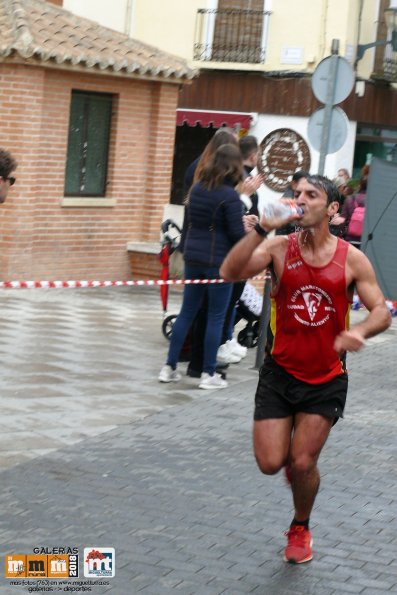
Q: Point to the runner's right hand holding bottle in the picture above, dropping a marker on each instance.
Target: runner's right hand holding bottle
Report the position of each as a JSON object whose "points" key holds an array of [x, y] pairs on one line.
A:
{"points": [[277, 213]]}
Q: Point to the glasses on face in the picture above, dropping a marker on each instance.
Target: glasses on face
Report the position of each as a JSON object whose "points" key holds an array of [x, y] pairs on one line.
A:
{"points": [[11, 179]]}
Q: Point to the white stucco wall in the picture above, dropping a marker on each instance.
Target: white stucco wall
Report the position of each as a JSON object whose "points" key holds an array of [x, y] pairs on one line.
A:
{"points": [[168, 25], [109, 14], [299, 33]]}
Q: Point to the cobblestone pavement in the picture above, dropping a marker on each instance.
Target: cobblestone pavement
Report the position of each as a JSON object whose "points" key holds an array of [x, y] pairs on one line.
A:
{"points": [[96, 453]]}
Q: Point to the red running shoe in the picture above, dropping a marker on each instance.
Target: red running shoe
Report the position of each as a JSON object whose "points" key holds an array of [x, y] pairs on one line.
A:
{"points": [[299, 548]]}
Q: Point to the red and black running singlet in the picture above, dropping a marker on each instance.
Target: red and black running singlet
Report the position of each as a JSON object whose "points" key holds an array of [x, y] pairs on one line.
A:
{"points": [[309, 310]]}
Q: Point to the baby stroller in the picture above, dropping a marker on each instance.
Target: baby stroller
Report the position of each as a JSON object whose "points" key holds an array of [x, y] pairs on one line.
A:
{"points": [[172, 261], [170, 238], [249, 308]]}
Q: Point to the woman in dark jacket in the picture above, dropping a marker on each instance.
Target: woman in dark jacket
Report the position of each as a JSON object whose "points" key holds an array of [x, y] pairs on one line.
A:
{"points": [[214, 225]]}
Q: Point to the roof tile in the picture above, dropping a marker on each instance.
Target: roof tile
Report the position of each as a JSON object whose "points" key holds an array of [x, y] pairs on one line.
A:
{"points": [[37, 29]]}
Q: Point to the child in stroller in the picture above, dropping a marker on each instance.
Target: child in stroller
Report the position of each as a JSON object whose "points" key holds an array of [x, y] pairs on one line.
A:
{"points": [[172, 268], [249, 308]]}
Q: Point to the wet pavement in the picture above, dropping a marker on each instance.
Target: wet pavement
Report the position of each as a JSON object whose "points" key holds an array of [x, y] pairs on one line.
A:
{"points": [[95, 452], [74, 364]]}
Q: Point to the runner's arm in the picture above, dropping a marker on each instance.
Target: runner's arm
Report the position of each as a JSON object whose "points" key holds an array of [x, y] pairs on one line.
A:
{"points": [[250, 256], [370, 294], [253, 253]]}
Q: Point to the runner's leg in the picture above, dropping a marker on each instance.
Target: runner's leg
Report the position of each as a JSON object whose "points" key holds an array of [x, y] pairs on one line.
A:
{"points": [[310, 434], [272, 438]]}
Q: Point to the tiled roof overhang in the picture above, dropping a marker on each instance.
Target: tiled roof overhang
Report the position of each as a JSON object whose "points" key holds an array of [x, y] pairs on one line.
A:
{"points": [[39, 32]]}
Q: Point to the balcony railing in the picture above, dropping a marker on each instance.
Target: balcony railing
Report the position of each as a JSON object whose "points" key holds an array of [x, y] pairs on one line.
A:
{"points": [[385, 67], [231, 35], [390, 64], [390, 70]]}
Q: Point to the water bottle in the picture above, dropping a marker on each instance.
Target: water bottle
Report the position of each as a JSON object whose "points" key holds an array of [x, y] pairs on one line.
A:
{"points": [[280, 210]]}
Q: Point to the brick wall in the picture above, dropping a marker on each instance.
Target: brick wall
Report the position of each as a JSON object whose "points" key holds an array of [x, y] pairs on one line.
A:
{"points": [[40, 238], [144, 266]]}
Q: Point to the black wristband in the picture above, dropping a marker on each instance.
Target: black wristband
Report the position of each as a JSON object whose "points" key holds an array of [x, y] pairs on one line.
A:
{"points": [[262, 232]]}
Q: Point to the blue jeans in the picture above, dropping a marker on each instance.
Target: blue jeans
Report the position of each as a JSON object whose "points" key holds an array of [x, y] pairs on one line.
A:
{"points": [[218, 301]]}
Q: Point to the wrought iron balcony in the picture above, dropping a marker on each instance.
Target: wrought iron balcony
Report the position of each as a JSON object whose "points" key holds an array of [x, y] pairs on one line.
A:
{"points": [[231, 35], [390, 70], [385, 67]]}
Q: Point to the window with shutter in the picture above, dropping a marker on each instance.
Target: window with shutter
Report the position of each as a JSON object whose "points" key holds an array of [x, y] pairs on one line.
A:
{"points": [[88, 144]]}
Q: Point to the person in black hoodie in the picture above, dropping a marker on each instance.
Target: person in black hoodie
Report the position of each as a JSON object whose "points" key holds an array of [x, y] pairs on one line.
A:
{"points": [[213, 225]]}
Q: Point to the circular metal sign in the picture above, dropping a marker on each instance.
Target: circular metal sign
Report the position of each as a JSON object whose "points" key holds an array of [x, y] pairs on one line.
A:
{"points": [[344, 79], [338, 129], [283, 152]]}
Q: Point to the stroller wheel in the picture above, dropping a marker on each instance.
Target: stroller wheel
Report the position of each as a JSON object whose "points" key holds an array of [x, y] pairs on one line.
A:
{"points": [[167, 325]]}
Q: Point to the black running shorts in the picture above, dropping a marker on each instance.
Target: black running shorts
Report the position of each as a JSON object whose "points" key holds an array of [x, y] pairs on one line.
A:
{"points": [[281, 395]]}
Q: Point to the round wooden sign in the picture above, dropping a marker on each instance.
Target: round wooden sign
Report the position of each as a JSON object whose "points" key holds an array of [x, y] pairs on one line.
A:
{"points": [[283, 152]]}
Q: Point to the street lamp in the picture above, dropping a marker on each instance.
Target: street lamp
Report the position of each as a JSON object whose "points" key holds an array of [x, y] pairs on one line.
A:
{"points": [[391, 21]]}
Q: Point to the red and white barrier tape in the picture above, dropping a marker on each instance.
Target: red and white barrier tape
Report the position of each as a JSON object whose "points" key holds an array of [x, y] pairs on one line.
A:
{"points": [[76, 284], [392, 305]]}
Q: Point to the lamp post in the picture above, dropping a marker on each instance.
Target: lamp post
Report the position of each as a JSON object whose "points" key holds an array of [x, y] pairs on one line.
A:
{"points": [[391, 21]]}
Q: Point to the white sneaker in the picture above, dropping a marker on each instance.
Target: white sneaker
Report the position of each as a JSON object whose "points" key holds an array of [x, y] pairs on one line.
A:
{"points": [[225, 355], [211, 382], [167, 374], [236, 348]]}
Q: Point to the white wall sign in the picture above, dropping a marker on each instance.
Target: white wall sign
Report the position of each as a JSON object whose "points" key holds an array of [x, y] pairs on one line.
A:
{"points": [[291, 55]]}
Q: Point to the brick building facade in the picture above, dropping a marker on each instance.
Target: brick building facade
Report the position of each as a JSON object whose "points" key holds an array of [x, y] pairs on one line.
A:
{"points": [[45, 234]]}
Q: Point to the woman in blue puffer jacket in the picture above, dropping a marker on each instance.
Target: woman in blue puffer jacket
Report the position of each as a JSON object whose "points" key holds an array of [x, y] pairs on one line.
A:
{"points": [[214, 224]]}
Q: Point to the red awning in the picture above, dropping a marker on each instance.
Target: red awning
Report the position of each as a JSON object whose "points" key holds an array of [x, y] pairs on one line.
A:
{"points": [[207, 118]]}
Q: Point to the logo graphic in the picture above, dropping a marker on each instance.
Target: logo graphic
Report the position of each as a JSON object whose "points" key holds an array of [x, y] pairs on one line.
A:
{"points": [[312, 305], [15, 566], [312, 301], [41, 566], [294, 264], [99, 562], [36, 566], [63, 566]]}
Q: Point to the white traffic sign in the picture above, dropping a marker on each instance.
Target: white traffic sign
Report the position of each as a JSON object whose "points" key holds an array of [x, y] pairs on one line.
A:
{"points": [[344, 79], [338, 129]]}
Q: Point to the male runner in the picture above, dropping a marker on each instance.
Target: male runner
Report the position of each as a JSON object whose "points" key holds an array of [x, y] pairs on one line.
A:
{"points": [[303, 382]]}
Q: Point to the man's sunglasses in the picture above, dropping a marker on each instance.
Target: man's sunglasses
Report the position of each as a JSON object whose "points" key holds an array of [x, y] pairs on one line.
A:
{"points": [[11, 179]]}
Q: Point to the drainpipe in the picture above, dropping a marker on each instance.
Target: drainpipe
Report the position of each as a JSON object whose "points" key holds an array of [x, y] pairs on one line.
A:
{"points": [[360, 18], [128, 17], [323, 25]]}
